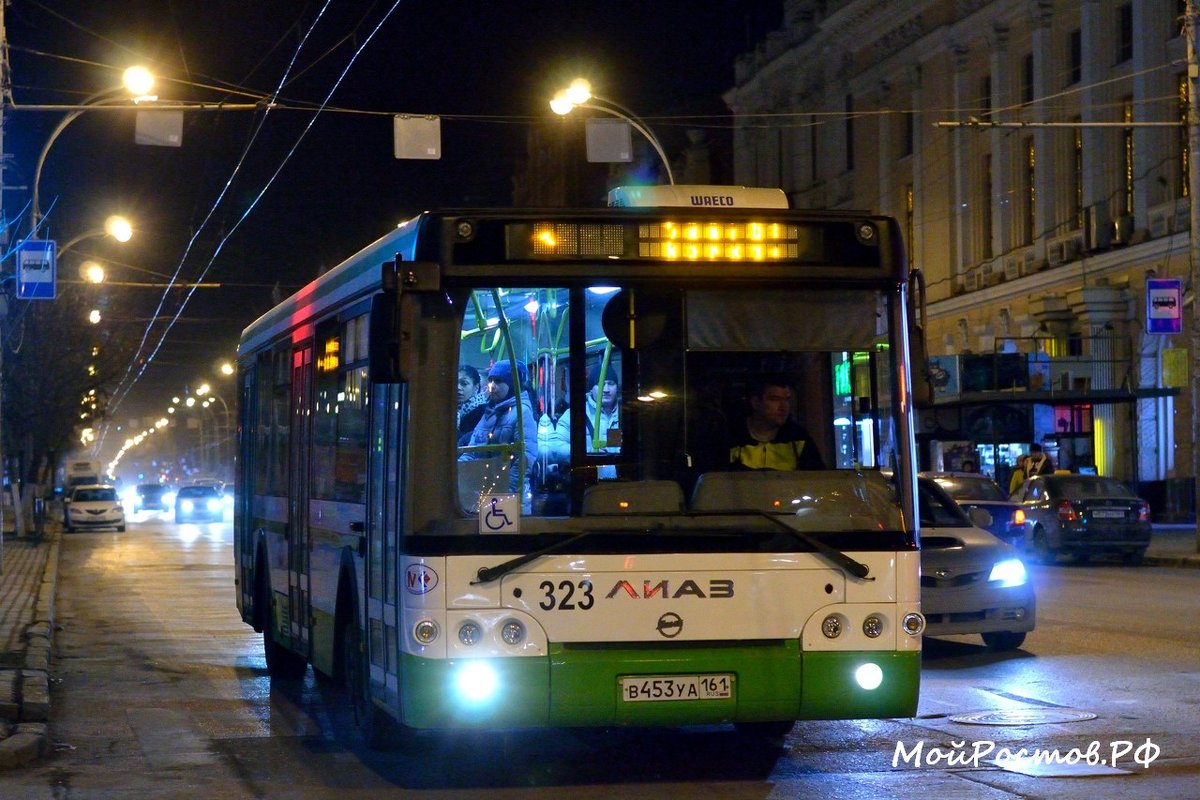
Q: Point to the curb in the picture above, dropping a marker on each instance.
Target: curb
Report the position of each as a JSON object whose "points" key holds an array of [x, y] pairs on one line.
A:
{"points": [[28, 739]]}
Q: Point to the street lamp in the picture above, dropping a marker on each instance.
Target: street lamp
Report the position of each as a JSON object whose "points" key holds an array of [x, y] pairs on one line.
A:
{"points": [[579, 95], [116, 226], [137, 81]]}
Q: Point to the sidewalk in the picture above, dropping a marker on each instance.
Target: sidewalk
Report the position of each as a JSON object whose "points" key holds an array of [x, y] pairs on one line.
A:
{"points": [[29, 578]]}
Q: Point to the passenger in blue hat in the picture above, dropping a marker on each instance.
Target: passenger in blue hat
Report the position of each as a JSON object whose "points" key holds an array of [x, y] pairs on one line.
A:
{"points": [[499, 423]]}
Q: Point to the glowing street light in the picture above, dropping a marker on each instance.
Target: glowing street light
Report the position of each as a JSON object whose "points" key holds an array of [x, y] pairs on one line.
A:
{"points": [[579, 95], [94, 316], [92, 272], [116, 226], [136, 81]]}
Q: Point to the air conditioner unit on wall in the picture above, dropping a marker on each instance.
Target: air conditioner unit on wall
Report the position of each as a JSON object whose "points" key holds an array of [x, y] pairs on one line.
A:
{"points": [[1012, 269], [1060, 251], [971, 281], [1158, 222], [1030, 265]]}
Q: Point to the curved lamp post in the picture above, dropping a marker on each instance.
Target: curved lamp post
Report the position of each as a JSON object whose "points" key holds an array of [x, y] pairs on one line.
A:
{"points": [[137, 81], [579, 95], [116, 226]]}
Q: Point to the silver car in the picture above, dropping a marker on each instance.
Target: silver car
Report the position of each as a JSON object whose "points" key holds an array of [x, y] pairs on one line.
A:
{"points": [[971, 581]]}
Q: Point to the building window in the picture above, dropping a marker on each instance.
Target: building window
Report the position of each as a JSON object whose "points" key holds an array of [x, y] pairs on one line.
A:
{"points": [[1075, 55], [985, 208], [1184, 146], [1030, 221], [1124, 33], [849, 132], [1027, 78], [1127, 148], [1077, 176], [910, 134], [985, 95]]}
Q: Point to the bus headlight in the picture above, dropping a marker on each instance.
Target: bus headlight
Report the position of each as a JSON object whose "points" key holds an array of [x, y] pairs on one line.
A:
{"points": [[832, 626], [869, 676], [477, 681], [873, 626], [425, 631], [913, 623], [469, 633]]}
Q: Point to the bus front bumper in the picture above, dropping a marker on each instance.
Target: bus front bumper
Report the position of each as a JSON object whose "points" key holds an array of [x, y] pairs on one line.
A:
{"points": [[583, 687]]}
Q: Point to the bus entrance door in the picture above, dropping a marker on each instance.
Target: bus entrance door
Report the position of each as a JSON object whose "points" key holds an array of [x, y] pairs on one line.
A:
{"points": [[382, 552], [300, 440]]}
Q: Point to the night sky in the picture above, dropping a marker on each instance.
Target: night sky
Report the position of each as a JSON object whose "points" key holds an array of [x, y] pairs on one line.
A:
{"points": [[487, 68]]}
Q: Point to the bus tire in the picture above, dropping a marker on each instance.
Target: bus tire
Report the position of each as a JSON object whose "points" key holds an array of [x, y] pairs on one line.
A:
{"points": [[282, 664], [372, 723]]}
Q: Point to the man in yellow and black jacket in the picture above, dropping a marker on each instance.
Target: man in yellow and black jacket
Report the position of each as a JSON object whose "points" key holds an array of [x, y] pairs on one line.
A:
{"points": [[769, 438]]}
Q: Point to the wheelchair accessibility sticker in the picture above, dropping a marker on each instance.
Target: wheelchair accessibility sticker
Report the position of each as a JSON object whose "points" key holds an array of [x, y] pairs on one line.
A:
{"points": [[500, 513]]}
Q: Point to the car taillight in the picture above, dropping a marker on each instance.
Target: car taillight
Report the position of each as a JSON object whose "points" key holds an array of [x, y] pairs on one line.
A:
{"points": [[1067, 512], [1018, 517], [1144, 512]]}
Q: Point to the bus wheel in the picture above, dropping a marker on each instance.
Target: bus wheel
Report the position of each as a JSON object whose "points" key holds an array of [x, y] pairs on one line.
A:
{"points": [[282, 664], [371, 722]]}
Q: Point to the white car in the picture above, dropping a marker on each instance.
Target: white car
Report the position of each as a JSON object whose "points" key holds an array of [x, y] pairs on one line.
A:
{"points": [[93, 506], [971, 581]]}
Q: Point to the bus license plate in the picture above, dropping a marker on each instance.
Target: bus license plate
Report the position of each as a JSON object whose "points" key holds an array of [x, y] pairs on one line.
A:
{"points": [[652, 688]]}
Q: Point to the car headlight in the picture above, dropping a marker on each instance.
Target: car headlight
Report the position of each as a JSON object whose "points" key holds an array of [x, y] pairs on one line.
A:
{"points": [[187, 506], [1009, 572], [214, 505]]}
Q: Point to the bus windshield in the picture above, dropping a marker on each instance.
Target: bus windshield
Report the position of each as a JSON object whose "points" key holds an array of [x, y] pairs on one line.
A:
{"points": [[566, 395]]}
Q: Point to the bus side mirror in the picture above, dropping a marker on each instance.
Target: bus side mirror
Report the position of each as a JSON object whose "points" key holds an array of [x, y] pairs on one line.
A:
{"points": [[389, 347], [383, 351]]}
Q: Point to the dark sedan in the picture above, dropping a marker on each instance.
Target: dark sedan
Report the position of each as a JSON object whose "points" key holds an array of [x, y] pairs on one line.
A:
{"points": [[152, 497], [1083, 516], [199, 504], [972, 490]]}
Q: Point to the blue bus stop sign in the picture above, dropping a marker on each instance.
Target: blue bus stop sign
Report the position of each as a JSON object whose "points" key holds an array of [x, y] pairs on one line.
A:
{"points": [[36, 267], [1164, 305]]}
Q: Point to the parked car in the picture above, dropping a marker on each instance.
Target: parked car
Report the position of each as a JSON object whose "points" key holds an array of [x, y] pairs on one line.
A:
{"points": [[973, 490], [1083, 516], [93, 506], [199, 504], [153, 497], [971, 581]]}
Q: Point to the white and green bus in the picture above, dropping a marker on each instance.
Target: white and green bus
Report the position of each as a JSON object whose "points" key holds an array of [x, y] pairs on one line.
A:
{"points": [[596, 561]]}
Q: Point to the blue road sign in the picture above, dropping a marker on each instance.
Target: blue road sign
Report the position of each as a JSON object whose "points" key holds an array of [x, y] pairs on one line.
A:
{"points": [[36, 269], [1164, 305]]}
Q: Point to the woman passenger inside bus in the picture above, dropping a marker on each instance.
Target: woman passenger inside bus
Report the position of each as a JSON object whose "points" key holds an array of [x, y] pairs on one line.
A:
{"points": [[471, 401], [498, 426]]}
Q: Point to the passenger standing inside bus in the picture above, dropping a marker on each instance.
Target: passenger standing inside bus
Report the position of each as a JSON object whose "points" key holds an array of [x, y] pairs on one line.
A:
{"points": [[768, 438], [498, 425], [471, 401], [606, 419]]}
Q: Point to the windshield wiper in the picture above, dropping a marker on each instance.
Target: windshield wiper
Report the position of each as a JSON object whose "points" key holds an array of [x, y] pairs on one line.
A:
{"points": [[854, 567], [488, 574]]}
